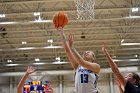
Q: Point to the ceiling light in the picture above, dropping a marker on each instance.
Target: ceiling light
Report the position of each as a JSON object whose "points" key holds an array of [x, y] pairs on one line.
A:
{"points": [[26, 48], [24, 42], [30, 48], [130, 16], [136, 56], [53, 47], [41, 21], [36, 13], [117, 60], [12, 64], [37, 59], [39, 63], [58, 62], [135, 9], [122, 40], [8, 22], [57, 58], [50, 41], [114, 56], [9, 61], [36, 21], [2, 15], [130, 44], [134, 16]]}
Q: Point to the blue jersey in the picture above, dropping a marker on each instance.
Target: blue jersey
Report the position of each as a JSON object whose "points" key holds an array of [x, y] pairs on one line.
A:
{"points": [[85, 81]]}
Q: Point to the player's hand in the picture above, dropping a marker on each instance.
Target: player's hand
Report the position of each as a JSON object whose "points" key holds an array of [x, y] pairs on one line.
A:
{"points": [[49, 88], [70, 40], [30, 70], [59, 28], [103, 47]]}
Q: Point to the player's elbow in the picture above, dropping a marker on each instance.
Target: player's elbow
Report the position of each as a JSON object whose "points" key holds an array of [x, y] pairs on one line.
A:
{"points": [[97, 69]]}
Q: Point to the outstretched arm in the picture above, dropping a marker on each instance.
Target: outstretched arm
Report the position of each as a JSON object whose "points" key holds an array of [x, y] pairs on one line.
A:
{"points": [[80, 60], [119, 85], [30, 70], [69, 53], [114, 67], [74, 57]]}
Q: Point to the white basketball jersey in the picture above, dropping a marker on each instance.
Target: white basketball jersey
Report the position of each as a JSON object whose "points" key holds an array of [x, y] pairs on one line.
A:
{"points": [[85, 81]]}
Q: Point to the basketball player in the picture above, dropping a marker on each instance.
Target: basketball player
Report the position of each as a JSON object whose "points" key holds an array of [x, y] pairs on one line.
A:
{"points": [[29, 70], [20, 86], [86, 70], [130, 82]]}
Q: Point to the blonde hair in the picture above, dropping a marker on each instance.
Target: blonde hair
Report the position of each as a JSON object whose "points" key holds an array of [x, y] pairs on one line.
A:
{"points": [[94, 56]]}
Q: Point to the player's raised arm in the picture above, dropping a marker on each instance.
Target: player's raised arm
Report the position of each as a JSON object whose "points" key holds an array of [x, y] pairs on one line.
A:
{"points": [[29, 70], [114, 67], [88, 58], [68, 51], [60, 20]]}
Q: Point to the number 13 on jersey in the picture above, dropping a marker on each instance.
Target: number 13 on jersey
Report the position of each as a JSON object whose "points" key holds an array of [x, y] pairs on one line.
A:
{"points": [[84, 78]]}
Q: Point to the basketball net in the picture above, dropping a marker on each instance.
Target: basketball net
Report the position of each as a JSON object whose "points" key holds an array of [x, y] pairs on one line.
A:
{"points": [[85, 9], [36, 76]]}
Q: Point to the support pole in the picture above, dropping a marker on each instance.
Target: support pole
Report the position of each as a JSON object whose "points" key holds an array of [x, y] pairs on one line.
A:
{"points": [[111, 87]]}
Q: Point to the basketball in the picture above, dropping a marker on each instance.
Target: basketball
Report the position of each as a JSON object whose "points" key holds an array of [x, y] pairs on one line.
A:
{"points": [[60, 19]]}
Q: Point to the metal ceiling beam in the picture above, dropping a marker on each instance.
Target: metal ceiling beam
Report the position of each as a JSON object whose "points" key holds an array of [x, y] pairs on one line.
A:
{"points": [[77, 41], [96, 46], [66, 72], [68, 10], [66, 29], [70, 21], [90, 34], [30, 1]]}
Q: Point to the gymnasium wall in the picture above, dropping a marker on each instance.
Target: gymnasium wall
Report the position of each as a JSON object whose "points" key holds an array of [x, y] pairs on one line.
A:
{"points": [[61, 84]]}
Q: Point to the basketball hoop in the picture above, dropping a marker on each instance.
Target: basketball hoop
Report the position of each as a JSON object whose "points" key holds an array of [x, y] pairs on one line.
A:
{"points": [[36, 76], [85, 9]]}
